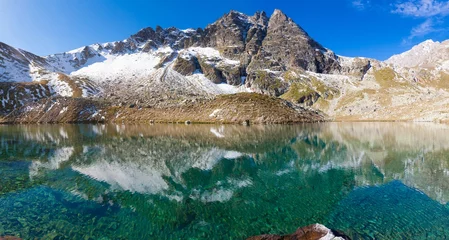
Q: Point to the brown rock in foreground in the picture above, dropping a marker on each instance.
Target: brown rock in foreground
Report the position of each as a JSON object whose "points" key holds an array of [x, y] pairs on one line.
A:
{"points": [[9, 238], [311, 232]]}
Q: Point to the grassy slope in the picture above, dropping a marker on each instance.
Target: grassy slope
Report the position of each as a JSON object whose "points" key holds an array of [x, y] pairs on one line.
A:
{"points": [[235, 108]]}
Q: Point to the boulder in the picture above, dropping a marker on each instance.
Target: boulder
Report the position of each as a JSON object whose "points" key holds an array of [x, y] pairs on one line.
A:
{"points": [[186, 65], [358, 67], [210, 71], [311, 232], [231, 74]]}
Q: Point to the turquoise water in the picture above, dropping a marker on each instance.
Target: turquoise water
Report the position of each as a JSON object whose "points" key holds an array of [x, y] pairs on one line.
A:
{"points": [[369, 180]]}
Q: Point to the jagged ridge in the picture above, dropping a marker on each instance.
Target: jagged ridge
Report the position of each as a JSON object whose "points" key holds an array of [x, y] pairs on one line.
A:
{"points": [[237, 53]]}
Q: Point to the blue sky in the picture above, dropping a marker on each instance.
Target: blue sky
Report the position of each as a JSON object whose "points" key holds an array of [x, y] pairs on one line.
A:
{"points": [[369, 28]]}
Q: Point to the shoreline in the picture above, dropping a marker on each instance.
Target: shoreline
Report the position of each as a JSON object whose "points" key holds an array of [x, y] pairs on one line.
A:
{"points": [[243, 108], [150, 122], [247, 108]]}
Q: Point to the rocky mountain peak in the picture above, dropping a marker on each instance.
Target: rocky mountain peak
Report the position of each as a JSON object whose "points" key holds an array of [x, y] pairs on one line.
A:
{"points": [[280, 22], [11, 53], [159, 29], [15, 64], [260, 14], [428, 41], [427, 45], [279, 17], [260, 18], [144, 34], [428, 54], [286, 45], [234, 16], [7, 51]]}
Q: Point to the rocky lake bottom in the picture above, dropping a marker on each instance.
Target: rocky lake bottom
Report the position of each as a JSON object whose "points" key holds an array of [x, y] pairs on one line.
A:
{"points": [[173, 181]]}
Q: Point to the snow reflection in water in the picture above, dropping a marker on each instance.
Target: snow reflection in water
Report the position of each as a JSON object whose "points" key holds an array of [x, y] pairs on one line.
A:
{"points": [[235, 181]]}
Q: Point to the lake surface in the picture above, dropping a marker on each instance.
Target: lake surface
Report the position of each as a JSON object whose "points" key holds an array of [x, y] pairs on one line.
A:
{"points": [[369, 180]]}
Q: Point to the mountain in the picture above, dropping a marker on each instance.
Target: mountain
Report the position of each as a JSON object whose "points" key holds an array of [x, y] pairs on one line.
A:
{"points": [[19, 65], [428, 54], [269, 55], [232, 48]]}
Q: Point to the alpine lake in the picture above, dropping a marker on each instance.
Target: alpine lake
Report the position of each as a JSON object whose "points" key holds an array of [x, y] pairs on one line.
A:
{"points": [[173, 181]]}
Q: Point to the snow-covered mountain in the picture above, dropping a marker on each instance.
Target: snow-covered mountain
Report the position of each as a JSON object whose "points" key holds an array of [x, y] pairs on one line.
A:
{"points": [[214, 60], [18, 65], [237, 53], [428, 54]]}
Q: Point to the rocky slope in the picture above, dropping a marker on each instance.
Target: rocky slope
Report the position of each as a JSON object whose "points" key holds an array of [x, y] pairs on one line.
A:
{"points": [[243, 108], [269, 55]]}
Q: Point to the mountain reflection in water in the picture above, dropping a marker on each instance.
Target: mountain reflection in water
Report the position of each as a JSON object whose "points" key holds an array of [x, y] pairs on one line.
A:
{"points": [[370, 180]]}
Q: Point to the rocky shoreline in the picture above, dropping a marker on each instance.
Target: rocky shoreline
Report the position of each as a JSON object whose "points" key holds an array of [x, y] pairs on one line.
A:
{"points": [[246, 108], [311, 232]]}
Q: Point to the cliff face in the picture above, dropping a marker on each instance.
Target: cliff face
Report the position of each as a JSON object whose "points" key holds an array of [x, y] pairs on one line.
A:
{"points": [[269, 55]]}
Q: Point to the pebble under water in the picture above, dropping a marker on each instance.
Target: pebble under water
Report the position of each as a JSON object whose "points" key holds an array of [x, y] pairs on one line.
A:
{"points": [[368, 180]]}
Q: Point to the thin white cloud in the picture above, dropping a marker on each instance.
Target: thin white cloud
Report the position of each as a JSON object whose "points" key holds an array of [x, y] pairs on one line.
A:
{"points": [[433, 11], [423, 29], [422, 8], [359, 4], [427, 27]]}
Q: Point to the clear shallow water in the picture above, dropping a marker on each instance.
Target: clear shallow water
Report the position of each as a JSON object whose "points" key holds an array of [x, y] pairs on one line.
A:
{"points": [[370, 180]]}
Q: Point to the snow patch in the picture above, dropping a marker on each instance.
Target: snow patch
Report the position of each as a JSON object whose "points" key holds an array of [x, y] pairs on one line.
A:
{"points": [[215, 112]]}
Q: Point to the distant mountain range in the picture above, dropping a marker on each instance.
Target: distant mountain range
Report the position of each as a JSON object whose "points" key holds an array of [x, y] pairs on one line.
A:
{"points": [[237, 53]]}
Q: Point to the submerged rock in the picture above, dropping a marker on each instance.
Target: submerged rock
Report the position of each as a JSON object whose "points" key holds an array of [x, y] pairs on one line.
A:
{"points": [[311, 232], [9, 238]]}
